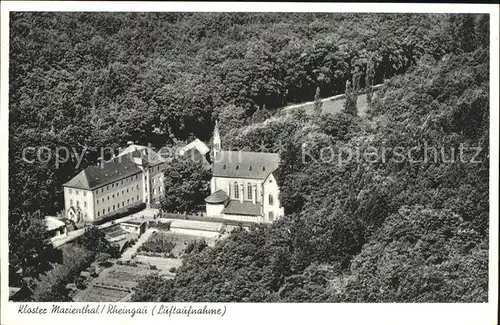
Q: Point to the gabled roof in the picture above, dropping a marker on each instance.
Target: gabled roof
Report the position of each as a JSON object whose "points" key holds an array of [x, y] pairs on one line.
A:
{"points": [[123, 165], [53, 223], [246, 208], [146, 153], [94, 176], [79, 181], [197, 144], [245, 164], [217, 197]]}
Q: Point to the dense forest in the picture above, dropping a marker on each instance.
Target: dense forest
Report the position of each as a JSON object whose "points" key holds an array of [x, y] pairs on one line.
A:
{"points": [[92, 80], [359, 231], [364, 231]]}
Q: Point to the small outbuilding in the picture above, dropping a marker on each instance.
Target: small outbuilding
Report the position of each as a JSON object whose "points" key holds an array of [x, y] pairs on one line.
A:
{"points": [[55, 227], [134, 226]]}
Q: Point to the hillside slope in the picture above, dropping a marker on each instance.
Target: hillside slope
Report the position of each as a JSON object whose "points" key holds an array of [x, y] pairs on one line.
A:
{"points": [[363, 230]]}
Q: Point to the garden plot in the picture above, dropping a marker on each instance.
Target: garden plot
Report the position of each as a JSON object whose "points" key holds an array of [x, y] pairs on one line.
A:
{"points": [[164, 250], [113, 284], [167, 266], [103, 295], [167, 244]]}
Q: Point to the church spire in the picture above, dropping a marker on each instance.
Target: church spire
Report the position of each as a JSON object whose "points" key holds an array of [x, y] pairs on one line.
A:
{"points": [[217, 143]]}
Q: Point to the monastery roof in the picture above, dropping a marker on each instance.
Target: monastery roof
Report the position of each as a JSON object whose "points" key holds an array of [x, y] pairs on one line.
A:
{"points": [[245, 164], [243, 208], [197, 144], [96, 176], [217, 197], [123, 165], [53, 223]]}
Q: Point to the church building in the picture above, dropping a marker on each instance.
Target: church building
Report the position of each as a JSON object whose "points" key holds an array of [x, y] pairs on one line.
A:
{"points": [[128, 180], [243, 186]]}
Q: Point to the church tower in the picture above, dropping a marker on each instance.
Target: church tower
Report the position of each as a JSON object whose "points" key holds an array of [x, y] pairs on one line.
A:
{"points": [[217, 144]]}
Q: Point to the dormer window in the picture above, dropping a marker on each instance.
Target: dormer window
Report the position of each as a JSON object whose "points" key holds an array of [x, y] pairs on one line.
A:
{"points": [[237, 167], [224, 167], [250, 168], [263, 168]]}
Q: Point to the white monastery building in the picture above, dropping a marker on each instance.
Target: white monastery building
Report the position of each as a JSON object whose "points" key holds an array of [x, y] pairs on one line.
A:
{"points": [[128, 180], [243, 186]]}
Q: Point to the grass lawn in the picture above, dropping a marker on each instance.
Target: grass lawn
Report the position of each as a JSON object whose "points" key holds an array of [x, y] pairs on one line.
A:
{"points": [[336, 106]]}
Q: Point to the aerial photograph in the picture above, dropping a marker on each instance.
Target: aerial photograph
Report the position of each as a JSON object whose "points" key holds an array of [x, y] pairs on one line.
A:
{"points": [[244, 157]]}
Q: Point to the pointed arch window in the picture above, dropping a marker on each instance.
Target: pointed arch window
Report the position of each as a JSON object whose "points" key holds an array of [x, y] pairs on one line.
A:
{"points": [[249, 191], [236, 190], [271, 199]]}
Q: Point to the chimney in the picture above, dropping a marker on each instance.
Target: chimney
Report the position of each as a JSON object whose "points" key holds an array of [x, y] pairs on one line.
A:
{"points": [[129, 143], [100, 162]]}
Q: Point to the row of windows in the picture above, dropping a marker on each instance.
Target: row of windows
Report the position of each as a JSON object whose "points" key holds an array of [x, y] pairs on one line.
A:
{"points": [[85, 202], [113, 196], [159, 190], [70, 191], [116, 206], [154, 179], [249, 192], [118, 194], [77, 203], [237, 191], [128, 179]]}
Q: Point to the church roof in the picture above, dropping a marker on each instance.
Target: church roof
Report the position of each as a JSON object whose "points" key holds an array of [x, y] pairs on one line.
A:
{"points": [[217, 197], [243, 208], [245, 164], [95, 176]]}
